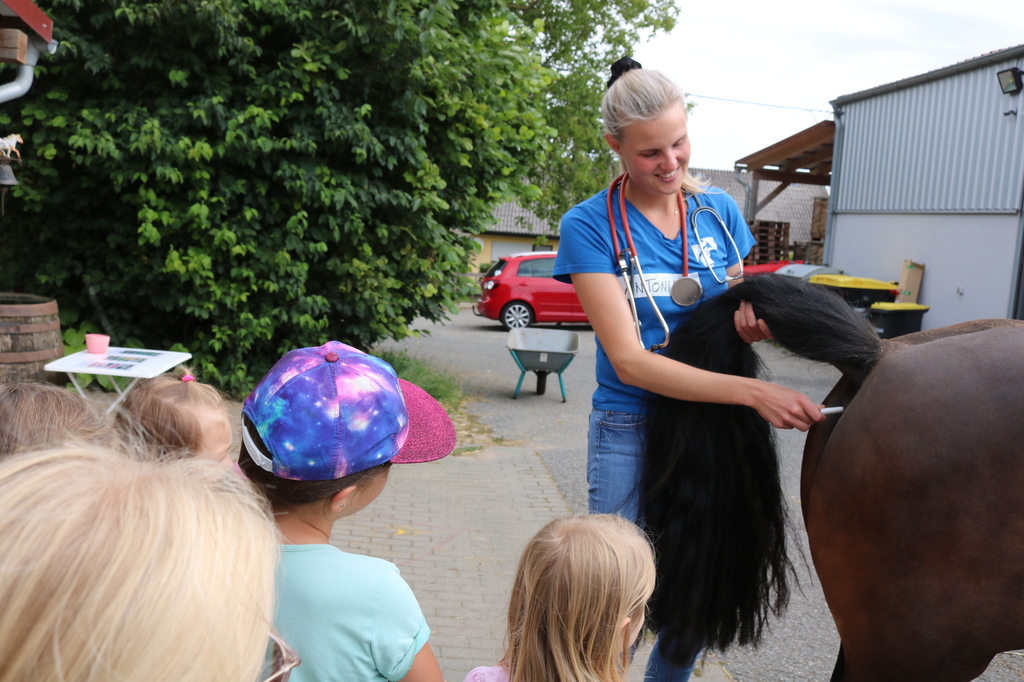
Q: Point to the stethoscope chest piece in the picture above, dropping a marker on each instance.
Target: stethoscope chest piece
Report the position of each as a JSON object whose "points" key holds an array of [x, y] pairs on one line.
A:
{"points": [[686, 291]]}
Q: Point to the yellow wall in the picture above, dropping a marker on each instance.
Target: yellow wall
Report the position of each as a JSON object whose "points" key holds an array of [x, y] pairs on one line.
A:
{"points": [[504, 242]]}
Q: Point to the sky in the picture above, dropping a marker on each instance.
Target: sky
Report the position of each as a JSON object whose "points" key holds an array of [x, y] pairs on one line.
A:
{"points": [[804, 53]]}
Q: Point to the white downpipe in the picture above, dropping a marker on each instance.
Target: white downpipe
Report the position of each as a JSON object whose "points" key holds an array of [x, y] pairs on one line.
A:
{"points": [[738, 174], [26, 72]]}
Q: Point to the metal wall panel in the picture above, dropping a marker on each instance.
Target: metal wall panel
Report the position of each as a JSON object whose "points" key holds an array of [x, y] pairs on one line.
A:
{"points": [[970, 259], [943, 146]]}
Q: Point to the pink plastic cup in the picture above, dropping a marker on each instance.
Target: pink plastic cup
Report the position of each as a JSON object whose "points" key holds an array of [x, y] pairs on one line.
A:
{"points": [[97, 343]]}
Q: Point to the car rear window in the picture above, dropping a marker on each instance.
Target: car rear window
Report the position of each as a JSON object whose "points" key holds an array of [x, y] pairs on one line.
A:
{"points": [[496, 269], [537, 267]]}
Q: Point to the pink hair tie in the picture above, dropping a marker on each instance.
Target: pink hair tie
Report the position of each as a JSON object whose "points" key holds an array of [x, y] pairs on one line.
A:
{"points": [[188, 377]]}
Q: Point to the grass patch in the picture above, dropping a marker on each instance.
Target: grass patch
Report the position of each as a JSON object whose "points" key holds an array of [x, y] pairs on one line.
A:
{"points": [[443, 386]]}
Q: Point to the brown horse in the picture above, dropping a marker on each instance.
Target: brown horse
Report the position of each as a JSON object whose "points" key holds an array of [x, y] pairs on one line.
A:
{"points": [[913, 501], [913, 497]]}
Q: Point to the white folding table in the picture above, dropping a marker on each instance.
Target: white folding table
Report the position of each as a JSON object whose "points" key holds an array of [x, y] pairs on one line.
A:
{"points": [[135, 363]]}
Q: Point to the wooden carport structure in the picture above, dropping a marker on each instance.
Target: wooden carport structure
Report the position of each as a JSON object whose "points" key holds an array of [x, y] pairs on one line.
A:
{"points": [[805, 157]]}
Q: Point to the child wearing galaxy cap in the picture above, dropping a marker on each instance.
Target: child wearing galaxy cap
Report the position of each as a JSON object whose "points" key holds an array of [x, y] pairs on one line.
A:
{"points": [[319, 434]]}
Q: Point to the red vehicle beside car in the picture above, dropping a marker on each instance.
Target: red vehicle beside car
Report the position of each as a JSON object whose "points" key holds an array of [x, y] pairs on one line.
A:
{"points": [[519, 290]]}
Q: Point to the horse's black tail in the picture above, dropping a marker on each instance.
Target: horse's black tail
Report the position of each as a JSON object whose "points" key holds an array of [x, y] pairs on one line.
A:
{"points": [[711, 496], [811, 321]]}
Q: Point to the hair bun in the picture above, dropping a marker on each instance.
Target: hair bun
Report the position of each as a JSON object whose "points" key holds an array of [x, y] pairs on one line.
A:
{"points": [[622, 66]]}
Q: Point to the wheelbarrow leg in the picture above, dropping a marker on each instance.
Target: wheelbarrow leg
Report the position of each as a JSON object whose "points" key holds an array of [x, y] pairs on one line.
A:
{"points": [[542, 382], [522, 373], [522, 376], [561, 382]]}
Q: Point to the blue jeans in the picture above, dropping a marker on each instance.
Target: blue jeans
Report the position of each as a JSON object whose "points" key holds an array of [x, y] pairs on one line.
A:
{"points": [[614, 463], [614, 466]]}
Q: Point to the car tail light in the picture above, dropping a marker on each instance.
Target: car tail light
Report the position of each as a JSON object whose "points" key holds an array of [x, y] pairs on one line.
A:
{"points": [[488, 285]]}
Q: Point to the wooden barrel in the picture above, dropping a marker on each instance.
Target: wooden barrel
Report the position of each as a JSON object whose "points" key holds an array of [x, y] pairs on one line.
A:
{"points": [[29, 336]]}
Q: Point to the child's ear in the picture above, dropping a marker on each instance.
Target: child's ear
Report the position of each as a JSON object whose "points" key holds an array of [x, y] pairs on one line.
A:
{"points": [[340, 498]]}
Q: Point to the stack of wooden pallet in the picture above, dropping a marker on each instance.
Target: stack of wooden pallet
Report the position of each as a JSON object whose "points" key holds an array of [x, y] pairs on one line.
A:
{"points": [[772, 242]]}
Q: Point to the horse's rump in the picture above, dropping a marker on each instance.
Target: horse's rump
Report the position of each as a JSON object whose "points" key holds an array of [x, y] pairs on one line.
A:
{"points": [[916, 517]]}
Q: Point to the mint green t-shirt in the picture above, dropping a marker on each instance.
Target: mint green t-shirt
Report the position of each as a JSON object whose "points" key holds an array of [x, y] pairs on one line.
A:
{"points": [[350, 617]]}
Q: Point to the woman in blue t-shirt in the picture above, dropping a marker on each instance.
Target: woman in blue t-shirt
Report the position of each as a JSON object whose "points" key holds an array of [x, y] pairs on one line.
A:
{"points": [[645, 124]]}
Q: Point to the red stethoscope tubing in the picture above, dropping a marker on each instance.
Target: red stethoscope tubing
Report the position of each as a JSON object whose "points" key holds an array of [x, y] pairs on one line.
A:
{"points": [[620, 184]]}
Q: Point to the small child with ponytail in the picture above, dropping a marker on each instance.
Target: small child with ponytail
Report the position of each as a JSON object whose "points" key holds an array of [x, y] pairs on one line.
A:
{"points": [[577, 604], [180, 415]]}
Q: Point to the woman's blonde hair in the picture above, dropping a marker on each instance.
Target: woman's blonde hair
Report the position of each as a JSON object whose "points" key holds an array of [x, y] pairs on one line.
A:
{"points": [[642, 95], [117, 569], [163, 411], [35, 414], [577, 580]]}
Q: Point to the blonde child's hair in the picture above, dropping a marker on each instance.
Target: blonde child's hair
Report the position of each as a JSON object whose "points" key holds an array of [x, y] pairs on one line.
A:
{"points": [[577, 580], [643, 95], [163, 411], [34, 415], [113, 568]]}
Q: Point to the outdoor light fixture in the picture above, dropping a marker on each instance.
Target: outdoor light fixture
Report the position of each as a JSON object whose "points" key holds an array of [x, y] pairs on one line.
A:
{"points": [[1010, 81]]}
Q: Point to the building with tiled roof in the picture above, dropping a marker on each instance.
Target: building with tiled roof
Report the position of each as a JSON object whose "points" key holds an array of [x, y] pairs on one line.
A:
{"points": [[794, 205], [518, 229]]}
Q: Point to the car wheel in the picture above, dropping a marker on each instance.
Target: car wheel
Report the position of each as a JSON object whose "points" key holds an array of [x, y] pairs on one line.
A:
{"points": [[516, 315]]}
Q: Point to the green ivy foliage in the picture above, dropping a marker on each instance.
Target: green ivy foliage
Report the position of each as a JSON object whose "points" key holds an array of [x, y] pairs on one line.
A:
{"points": [[244, 177]]}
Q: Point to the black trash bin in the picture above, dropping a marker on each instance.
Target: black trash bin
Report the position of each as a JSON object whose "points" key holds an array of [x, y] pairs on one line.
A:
{"points": [[896, 319]]}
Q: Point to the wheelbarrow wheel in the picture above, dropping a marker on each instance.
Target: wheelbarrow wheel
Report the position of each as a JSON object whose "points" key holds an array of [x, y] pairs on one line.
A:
{"points": [[542, 382]]}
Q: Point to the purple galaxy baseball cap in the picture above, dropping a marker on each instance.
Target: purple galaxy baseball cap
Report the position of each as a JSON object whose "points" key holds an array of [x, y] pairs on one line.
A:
{"points": [[327, 412]]}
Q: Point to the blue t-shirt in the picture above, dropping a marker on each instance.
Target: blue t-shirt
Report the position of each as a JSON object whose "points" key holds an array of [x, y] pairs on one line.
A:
{"points": [[351, 618], [585, 245]]}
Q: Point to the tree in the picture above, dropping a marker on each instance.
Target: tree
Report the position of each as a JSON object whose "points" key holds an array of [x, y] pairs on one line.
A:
{"points": [[243, 177], [579, 42]]}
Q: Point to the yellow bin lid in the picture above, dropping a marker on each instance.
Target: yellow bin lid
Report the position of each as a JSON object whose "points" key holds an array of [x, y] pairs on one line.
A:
{"points": [[899, 306], [848, 282]]}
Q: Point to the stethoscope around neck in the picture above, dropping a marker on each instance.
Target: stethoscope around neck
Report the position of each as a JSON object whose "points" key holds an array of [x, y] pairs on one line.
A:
{"points": [[685, 291]]}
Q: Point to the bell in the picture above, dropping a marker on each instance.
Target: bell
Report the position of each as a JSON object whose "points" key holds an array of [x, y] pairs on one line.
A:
{"points": [[7, 178]]}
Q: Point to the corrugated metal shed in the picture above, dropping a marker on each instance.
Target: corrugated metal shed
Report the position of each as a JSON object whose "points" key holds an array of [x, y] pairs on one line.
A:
{"points": [[941, 142]]}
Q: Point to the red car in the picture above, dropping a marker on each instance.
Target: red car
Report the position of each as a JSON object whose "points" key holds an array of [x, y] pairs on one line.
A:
{"points": [[519, 290]]}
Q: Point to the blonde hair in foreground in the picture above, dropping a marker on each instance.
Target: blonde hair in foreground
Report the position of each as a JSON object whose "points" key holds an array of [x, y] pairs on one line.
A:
{"points": [[577, 580], [117, 569], [642, 95]]}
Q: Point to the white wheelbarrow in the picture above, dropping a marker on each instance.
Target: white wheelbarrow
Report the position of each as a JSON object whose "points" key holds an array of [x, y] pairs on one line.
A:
{"points": [[542, 351]]}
